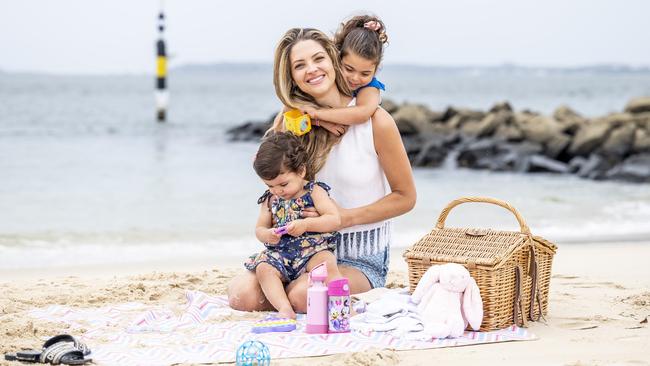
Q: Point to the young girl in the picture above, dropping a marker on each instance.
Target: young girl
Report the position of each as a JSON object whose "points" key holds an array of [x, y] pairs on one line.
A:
{"points": [[293, 245], [360, 41]]}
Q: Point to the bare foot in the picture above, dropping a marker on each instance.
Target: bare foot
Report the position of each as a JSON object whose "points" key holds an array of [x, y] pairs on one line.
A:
{"points": [[287, 313]]}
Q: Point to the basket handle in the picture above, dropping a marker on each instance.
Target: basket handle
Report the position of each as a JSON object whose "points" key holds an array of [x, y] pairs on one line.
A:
{"points": [[443, 215]]}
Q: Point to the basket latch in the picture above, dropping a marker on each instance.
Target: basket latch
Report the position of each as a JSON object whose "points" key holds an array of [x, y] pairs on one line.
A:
{"points": [[470, 264], [476, 232]]}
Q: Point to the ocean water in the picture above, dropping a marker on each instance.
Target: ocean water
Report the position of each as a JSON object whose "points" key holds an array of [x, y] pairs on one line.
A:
{"points": [[86, 172]]}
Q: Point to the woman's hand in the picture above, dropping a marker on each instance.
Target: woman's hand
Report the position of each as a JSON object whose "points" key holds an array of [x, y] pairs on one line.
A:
{"points": [[309, 212], [346, 215], [297, 227], [334, 128]]}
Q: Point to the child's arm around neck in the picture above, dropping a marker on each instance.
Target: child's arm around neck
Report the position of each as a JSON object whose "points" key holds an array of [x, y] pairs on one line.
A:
{"points": [[366, 105]]}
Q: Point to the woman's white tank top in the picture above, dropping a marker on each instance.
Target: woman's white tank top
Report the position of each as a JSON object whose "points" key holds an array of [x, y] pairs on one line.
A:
{"points": [[357, 179]]}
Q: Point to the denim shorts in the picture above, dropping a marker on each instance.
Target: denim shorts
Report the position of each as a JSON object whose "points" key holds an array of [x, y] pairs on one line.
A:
{"points": [[374, 265]]}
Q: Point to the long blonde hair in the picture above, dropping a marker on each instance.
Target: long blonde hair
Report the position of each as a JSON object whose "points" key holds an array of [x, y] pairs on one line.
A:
{"points": [[319, 141]]}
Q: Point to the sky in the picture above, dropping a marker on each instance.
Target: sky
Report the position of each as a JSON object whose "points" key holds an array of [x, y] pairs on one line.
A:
{"points": [[117, 36]]}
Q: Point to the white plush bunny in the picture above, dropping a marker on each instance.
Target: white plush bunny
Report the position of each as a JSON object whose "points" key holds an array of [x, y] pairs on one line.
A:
{"points": [[448, 299]]}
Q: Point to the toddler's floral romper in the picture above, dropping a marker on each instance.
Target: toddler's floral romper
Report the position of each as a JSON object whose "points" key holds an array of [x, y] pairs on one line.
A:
{"points": [[291, 254]]}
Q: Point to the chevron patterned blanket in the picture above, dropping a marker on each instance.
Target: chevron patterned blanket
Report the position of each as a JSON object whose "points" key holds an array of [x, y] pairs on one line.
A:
{"points": [[207, 330]]}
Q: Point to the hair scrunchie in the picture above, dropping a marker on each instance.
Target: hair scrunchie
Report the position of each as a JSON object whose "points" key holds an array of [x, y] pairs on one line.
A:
{"points": [[372, 25]]}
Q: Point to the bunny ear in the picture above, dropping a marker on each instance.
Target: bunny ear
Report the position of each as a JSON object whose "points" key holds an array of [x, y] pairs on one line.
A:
{"points": [[431, 276], [472, 305]]}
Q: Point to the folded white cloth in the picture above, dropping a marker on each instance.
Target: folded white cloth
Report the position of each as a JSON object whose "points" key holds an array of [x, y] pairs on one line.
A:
{"points": [[401, 323], [393, 313]]}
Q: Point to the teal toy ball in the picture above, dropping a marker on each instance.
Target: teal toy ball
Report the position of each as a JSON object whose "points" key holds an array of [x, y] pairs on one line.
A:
{"points": [[253, 353]]}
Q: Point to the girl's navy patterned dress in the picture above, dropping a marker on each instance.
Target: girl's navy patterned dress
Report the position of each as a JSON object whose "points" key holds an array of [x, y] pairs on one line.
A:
{"points": [[291, 254]]}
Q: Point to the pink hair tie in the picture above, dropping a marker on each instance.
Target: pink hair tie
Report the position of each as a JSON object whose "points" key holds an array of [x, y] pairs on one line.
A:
{"points": [[372, 25]]}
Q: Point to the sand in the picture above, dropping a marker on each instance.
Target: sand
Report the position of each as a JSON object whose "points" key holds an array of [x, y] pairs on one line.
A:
{"points": [[599, 308]]}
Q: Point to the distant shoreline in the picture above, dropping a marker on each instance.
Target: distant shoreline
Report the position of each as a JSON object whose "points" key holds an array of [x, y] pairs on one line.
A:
{"points": [[505, 68]]}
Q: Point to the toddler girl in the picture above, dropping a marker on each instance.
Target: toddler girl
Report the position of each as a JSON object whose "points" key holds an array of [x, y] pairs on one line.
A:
{"points": [[293, 245], [360, 41]]}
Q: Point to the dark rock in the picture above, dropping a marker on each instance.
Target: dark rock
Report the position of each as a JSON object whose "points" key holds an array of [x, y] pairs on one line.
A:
{"points": [[641, 141], [642, 120], [437, 117], [615, 146], [249, 131], [556, 145], [432, 153], [491, 154], [406, 128], [589, 137], [469, 128], [488, 124], [451, 139], [595, 167], [459, 120], [524, 148], [412, 145], [439, 129], [635, 168], [577, 163], [465, 114], [517, 156], [618, 119], [413, 119], [521, 118], [389, 106], [541, 163], [540, 129], [471, 114], [564, 113], [449, 113], [508, 132], [475, 154], [501, 106], [620, 141], [569, 120], [506, 162], [638, 105]]}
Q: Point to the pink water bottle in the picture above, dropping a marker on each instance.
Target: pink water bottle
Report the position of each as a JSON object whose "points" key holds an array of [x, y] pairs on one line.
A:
{"points": [[338, 307], [317, 300]]}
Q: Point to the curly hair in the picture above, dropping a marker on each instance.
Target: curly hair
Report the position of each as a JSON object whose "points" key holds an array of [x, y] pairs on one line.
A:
{"points": [[279, 152], [353, 36]]}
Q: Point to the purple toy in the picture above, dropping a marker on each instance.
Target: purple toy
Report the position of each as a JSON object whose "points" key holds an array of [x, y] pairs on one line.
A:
{"points": [[281, 230], [274, 324]]}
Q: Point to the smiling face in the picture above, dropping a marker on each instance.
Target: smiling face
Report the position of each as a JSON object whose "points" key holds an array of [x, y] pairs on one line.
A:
{"points": [[287, 185], [311, 68], [358, 71]]}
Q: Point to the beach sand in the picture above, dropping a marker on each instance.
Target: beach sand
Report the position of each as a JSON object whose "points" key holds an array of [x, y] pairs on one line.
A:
{"points": [[598, 312]]}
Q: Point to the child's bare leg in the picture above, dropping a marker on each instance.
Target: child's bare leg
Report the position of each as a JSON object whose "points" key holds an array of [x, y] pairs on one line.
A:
{"points": [[271, 282], [330, 261]]}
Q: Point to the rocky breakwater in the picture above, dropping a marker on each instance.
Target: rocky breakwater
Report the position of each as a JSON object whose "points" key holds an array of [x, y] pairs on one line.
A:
{"points": [[615, 146]]}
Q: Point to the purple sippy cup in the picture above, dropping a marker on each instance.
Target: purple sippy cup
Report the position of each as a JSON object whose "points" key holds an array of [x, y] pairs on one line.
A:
{"points": [[317, 300], [338, 307]]}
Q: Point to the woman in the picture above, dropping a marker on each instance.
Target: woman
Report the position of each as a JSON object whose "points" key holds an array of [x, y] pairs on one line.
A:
{"points": [[367, 168]]}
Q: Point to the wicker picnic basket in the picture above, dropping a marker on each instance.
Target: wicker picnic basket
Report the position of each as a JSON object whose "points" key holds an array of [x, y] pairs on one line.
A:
{"points": [[512, 269]]}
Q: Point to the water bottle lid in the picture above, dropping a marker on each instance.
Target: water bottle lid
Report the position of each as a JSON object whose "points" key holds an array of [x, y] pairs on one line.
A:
{"points": [[339, 287], [318, 273]]}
